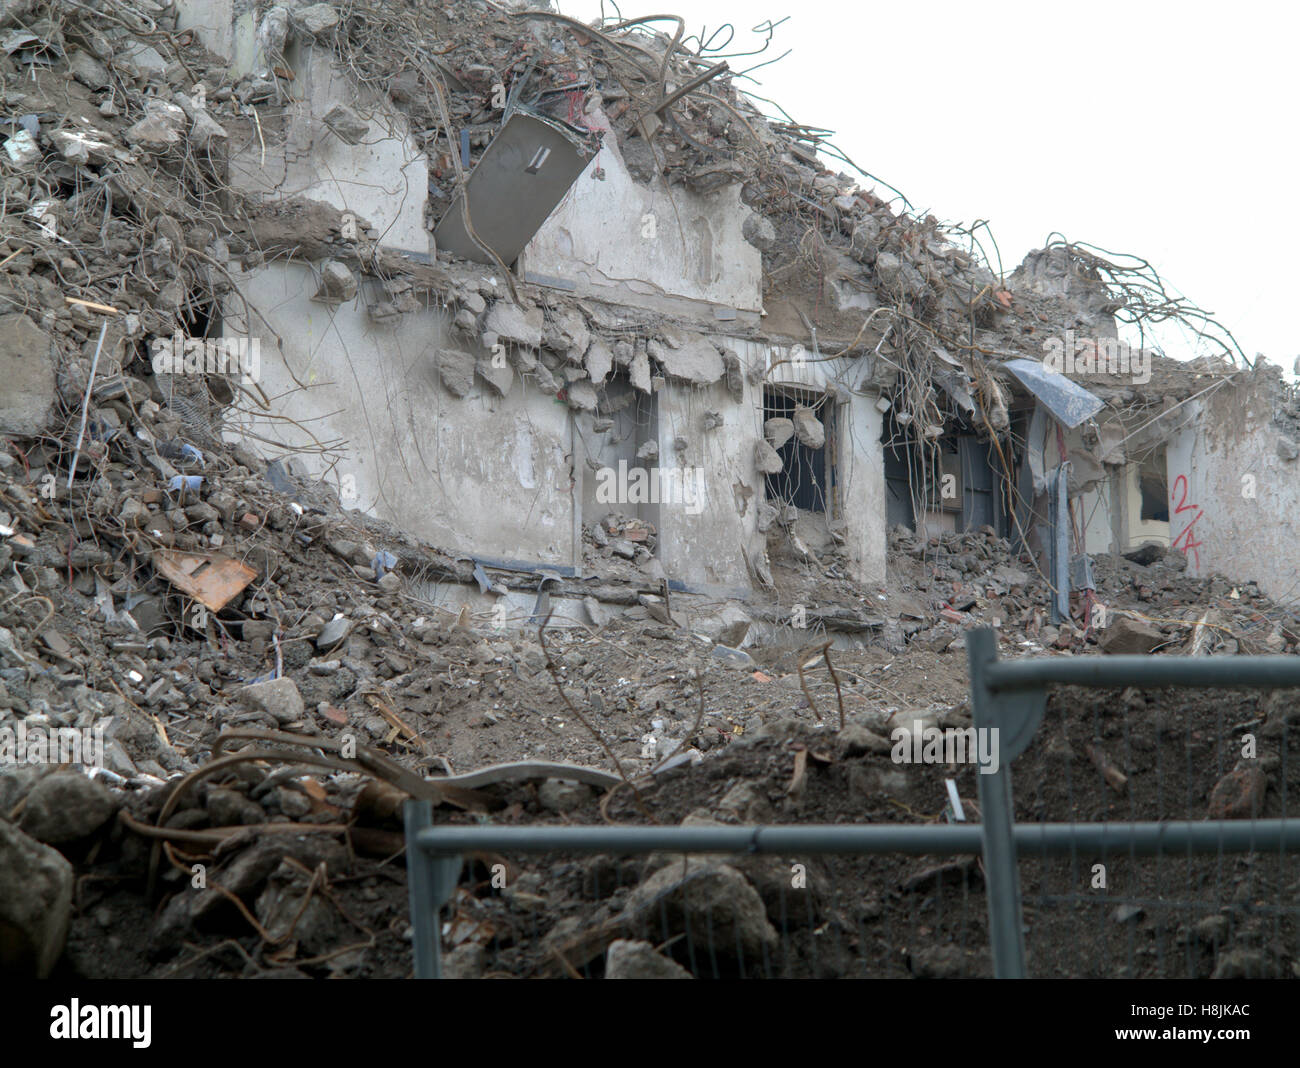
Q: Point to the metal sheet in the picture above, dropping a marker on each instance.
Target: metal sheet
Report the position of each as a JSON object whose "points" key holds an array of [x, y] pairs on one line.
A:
{"points": [[1071, 404], [523, 174]]}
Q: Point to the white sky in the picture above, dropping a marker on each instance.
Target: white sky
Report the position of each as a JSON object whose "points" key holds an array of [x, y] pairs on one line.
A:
{"points": [[1166, 130]]}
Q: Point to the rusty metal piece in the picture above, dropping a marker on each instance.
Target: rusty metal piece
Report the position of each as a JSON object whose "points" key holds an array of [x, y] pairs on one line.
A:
{"points": [[214, 581]]}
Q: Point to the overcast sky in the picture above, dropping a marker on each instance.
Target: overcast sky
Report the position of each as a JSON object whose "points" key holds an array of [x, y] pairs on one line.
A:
{"points": [[1167, 130]]}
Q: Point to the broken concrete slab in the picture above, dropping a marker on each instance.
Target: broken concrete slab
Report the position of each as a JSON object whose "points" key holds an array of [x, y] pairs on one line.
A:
{"points": [[512, 323], [27, 371], [162, 126], [639, 371], [581, 396], [66, 807], [696, 362], [599, 361]]}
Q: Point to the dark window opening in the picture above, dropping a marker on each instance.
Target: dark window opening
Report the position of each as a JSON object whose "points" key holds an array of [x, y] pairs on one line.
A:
{"points": [[804, 478], [1153, 482]]}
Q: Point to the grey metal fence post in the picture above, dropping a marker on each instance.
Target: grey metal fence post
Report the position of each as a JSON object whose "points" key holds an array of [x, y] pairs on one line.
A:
{"points": [[425, 913], [430, 881], [1001, 874]]}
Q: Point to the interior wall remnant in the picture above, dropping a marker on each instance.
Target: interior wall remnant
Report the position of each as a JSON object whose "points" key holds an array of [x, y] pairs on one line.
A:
{"points": [[289, 152], [618, 239], [1234, 487], [483, 473]]}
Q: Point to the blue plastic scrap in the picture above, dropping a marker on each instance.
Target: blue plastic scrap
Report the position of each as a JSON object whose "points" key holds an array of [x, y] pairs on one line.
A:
{"points": [[1069, 403], [191, 453], [383, 561], [185, 483]]}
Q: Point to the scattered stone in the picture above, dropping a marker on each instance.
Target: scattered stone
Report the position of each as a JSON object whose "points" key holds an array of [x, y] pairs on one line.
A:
{"points": [[278, 697], [1147, 553], [558, 796], [1246, 964], [315, 19], [333, 633], [1239, 795], [714, 904], [35, 903], [1128, 636], [626, 959], [65, 807], [337, 283]]}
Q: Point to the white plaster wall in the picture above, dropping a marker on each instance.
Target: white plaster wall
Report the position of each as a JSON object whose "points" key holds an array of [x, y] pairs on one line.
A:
{"points": [[481, 473], [1241, 497], [211, 20], [1096, 511], [384, 180], [596, 237], [707, 548]]}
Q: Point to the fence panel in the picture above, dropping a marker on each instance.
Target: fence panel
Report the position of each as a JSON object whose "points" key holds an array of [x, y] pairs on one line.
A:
{"points": [[1162, 890]]}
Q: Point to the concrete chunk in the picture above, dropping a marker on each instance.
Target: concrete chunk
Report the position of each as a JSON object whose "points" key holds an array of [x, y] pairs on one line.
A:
{"points": [[778, 431], [456, 369], [766, 459], [808, 428], [27, 374]]}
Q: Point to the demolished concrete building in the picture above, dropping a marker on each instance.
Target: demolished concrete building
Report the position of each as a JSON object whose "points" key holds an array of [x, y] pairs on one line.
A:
{"points": [[563, 301], [346, 346]]}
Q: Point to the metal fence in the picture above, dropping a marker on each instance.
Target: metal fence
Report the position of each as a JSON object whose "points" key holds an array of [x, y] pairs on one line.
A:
{"points": [[1011, 698]]}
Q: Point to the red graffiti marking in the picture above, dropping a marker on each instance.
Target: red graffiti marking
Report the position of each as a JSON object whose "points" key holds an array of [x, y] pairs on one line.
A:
{"points": [[1189, 543]]}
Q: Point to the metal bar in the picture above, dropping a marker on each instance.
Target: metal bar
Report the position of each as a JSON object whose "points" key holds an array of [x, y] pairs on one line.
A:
{"points": [[1059, 554], [1002, 876], [426, 938], [1270, 672], [85, 404], [1048, 839]]}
